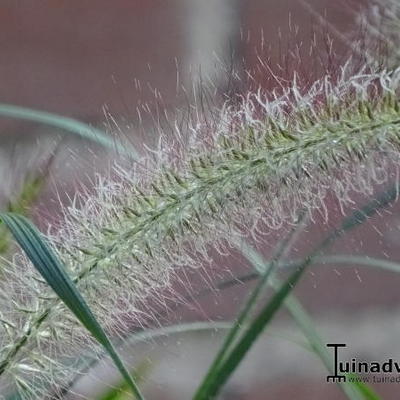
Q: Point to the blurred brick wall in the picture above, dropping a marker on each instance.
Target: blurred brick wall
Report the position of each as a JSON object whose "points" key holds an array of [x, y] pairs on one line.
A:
{"points": [[73, 57]]}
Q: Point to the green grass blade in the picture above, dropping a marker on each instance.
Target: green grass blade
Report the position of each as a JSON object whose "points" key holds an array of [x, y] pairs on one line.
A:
{"points": [[248, 307], [236, 356], [307, 326], [258, 264], [53, 271], [117, 393], [148, 335], [213, 382], [365, 390], [339, 259], [363, 261], [361, 215], [68, 124], [121, 390]]}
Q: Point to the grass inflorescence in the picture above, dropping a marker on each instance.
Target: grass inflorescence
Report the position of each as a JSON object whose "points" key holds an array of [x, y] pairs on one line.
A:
{"points": [[251, 170]]}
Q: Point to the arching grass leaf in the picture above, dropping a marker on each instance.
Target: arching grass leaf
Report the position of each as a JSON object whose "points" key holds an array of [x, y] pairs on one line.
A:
{"points": [[51, 268], [68, 124]]}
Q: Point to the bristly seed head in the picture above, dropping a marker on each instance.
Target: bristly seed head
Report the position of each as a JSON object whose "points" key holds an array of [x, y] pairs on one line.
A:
{"points": [[268, 158]]}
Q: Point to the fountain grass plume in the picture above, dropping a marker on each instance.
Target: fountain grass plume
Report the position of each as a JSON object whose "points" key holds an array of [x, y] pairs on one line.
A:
{"points": [[247, 172]]}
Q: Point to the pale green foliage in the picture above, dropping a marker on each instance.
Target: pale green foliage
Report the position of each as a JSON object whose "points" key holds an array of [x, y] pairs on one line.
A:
{"points": [[265, 160], [69, 125]]}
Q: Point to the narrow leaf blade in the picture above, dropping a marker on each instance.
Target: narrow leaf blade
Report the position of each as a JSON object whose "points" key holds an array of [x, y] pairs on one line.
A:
{"points": [[70, 125], [50, 267]]}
